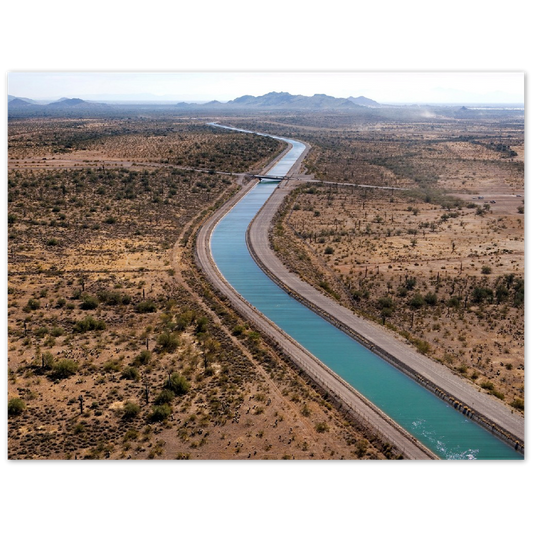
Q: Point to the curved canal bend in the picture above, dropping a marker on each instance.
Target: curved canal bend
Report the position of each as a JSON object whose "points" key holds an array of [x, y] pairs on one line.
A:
{"points": [[442, 429]]}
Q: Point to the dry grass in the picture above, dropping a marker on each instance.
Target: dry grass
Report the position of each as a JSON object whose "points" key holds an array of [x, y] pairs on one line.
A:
{"points": [[446, 271], [94, 239]]}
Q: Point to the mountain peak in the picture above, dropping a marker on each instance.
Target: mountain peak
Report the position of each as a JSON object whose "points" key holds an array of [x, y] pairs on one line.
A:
{"points": [[282, 99], [68, 102]]}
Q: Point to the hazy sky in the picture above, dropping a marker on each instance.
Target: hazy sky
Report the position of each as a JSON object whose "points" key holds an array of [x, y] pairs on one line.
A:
{"points": [[434, 87]]}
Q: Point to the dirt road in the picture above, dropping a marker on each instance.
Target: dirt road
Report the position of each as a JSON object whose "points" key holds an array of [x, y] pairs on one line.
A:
{"points": [[459, 392], [358, 406], [481, 407]]}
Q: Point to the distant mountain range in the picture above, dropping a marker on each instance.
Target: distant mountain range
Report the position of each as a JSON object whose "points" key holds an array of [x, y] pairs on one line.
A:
{"points": [[66, 103], [360, 106], [284, 100], [272, 100]]}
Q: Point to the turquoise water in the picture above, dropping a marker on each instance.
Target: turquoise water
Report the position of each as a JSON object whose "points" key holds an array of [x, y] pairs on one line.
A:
{"points": [[439, 426], [435, 423]]}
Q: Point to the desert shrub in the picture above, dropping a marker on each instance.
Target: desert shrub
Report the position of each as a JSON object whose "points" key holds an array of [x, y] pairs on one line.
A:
{"points": [[89, 323], [486, 269], [130, 410], [41, 332], [47, 361], [417, 301], [57, 331], [402, 291], [113, 365], [254, 336], [238, 330], [518, 403], [32, 305], [321, 427], [410, 283], [201, 325], [453, 302], [518, 299], [64, 368], [385, 302], [480, 294], [146, 306], [502, 292], [160, 413], [114, 298], [143, 358], [329, 250], [15, 407], [431, 298], [184, 320], [168, 341], [89, 302], [422, 346], [131, 373], [165, 396], [177, 384]]}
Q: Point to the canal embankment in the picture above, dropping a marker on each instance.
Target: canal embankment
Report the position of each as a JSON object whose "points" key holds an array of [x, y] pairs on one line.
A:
{"points": [[461, 395]]}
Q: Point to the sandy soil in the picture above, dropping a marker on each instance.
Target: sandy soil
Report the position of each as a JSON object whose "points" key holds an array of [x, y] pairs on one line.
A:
{"points": [[73, 243], [374, 250]]}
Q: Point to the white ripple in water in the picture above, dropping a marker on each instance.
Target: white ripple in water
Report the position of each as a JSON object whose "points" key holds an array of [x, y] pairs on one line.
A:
{"points": [[431, 436]]}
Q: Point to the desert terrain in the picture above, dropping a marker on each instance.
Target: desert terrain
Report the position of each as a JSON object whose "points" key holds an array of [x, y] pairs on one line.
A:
{"points": [[437, 256], [117, 347]]}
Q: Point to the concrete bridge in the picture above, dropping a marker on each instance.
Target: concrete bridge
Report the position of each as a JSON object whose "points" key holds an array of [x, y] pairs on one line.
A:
{"points": [[262, 177]]}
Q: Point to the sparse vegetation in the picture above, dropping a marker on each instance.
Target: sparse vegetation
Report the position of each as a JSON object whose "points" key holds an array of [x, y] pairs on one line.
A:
{"points": [[442, 269], [99, 305]]}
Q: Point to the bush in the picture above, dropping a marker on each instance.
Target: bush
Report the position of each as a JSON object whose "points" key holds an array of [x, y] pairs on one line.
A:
{"points": [[113, 365], [322, 427], [485, 269], [147, 306], [131, 410], [410, 283], [160, 413], [177, 384], [32, 305], [453, 302], [130, 372], [417, 301], [164, 397], [518, 403], [431, 298], [201, 325], [238, 330], [422, 346], [114, 298], [168, 341], [89, 323], [47, 361], [329, 250], [89, 302], [386, 303], [15, 407], [479, 294], [64, 368], [143, 358]]}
